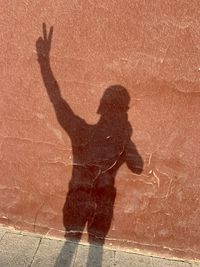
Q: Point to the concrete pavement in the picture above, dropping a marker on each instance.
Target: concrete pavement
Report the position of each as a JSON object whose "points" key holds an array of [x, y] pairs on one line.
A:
{"points": [[23, 249]]}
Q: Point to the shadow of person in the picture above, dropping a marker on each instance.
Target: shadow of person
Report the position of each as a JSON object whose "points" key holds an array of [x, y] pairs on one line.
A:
{"points": [[98, 152]]}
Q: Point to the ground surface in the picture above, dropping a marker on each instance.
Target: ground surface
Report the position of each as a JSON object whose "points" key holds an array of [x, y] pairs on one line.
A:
{"points": [[22, 249]]}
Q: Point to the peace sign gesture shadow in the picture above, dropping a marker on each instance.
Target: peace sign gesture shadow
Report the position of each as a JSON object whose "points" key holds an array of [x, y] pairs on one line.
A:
{"points": [[43, 44]]}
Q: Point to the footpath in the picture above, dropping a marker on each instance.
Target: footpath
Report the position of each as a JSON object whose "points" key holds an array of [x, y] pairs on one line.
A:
{"points": [[23, 249]]}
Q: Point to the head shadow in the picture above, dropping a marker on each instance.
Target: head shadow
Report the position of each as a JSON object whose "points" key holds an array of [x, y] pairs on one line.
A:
{"points": [[115, 99]]}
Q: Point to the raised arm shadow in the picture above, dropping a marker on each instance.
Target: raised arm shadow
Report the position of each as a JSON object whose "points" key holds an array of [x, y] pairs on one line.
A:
{"points": [[64, 113]]}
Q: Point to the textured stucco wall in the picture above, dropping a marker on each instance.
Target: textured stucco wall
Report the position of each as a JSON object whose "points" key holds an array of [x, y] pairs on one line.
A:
{"points": [[151, 48]]}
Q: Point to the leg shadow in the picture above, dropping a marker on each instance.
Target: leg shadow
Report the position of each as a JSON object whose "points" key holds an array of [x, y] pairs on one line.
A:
{"points": [[67, 255], [68, 252], [95, 256]]}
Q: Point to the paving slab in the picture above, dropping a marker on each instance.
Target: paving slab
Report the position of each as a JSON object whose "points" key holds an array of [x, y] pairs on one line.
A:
{"points": [[55, 253], [17, 250], [92, 255], [134, 260], [195, 264], [160, 262]]}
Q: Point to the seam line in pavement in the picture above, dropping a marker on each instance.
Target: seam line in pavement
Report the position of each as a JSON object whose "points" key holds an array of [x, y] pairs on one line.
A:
{"points": [[114, 256], [2, 236], [40, 240]]}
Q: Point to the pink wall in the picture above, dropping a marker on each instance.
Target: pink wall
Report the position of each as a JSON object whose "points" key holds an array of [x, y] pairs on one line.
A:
{"points": [[151, 48]]}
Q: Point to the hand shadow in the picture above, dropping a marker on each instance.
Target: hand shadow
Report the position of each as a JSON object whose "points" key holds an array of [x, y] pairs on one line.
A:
{"points": [[98, 152]]}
